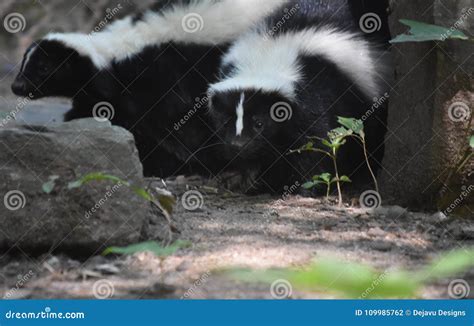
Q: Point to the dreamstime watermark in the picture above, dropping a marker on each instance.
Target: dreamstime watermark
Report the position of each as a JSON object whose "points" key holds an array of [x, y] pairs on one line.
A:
{"points": [[22, 280], [103, 200], [200, 103], [21, 103], [378, 102], [287, 192], [459, 23], [103, 289], [465, 192], [103, 111], [14, 200], [370, 23], [47, 313], [287, 15], [459, 289], [281, 111], [109, 16], [198, 283], [459, 112], [14, 22], [192, 200], [192, 23], [281, 289], [370, 199], [373, 285]]}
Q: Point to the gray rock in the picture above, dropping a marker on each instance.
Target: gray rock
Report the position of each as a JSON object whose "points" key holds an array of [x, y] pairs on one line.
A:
{"points": [[95, 215]]}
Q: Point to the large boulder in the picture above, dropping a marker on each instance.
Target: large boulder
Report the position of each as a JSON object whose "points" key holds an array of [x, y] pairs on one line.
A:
{"points": [[430, 112], [38, 208]]}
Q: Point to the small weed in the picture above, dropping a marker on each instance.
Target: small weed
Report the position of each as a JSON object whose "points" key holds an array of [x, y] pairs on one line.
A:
{"points": [[336, 138]]}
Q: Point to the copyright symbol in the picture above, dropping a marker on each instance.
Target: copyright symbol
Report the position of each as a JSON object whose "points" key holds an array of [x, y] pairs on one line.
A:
{"points": [[408, 312]]}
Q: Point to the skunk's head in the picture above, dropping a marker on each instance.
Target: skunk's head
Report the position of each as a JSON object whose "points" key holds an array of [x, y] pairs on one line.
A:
{"points": [[250, 122], [51, 68]]}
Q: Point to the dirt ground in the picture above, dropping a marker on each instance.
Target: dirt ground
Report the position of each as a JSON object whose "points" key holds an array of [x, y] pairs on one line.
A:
{"points": [[232, 230]]}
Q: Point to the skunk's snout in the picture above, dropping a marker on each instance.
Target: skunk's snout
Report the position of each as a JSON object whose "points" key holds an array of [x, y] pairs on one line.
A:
{"points": [[238, 142], [19, 86]]}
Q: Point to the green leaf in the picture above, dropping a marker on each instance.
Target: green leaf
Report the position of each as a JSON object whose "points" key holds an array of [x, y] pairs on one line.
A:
{"points": [[326, 143], [97, 176], [142, 193], [167, 203], [357, 126], [449, 265], [471, 141], [326, 177], [339, 133], [74, 184], [48, 186], [309, 185], [309, 145], [151, 246], [353, 280], [421, 32], [345, 178]]}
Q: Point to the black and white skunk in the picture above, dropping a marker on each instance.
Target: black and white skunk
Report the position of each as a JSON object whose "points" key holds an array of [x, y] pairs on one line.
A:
{"points": [[146, 72], [283, 82]]}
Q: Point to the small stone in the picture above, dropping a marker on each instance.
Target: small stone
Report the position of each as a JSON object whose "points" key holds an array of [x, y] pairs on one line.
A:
{"points": [[392, 212], [381, 245], [438, 217], [376, 232], [107, 269], [465, 233]]}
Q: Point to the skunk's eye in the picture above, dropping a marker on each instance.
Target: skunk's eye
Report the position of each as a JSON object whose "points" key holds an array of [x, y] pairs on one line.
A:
{"points": [[258, 125], [43, 68]]}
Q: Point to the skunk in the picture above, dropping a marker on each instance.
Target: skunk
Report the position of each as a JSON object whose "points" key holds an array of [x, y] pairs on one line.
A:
{"points": [[283, 82], [144, 72]]}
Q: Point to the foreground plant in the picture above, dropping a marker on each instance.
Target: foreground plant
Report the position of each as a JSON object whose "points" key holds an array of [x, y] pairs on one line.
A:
{"points": [[353, 280]]}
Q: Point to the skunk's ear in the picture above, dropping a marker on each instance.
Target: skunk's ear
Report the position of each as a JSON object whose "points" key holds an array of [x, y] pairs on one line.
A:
{"points": [[218, 100]]}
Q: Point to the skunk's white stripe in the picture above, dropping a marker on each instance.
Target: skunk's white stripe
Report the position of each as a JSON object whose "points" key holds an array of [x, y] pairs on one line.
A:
{"points": [[239, 123], [348, 52], [220, 22], [27, 58], [271, 64]]}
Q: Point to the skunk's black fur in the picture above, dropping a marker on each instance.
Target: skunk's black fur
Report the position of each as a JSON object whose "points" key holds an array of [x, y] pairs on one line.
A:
{"points": [[324, 92], [150, 91], [159, 93]]}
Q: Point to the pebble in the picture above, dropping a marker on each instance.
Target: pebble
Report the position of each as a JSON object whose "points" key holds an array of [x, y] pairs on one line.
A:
{"points": [[463, 233], [392, 212], [376, 232], [381, 245]]}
